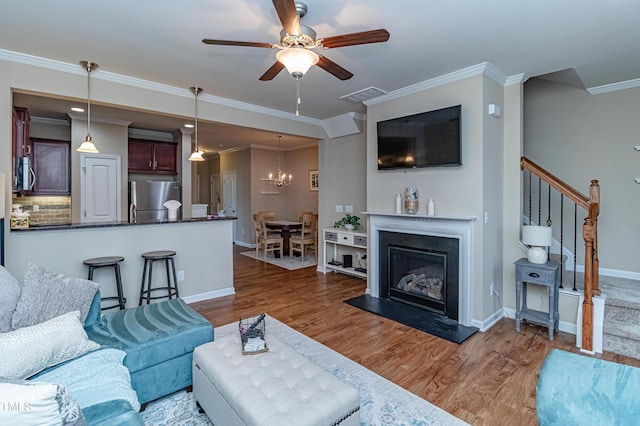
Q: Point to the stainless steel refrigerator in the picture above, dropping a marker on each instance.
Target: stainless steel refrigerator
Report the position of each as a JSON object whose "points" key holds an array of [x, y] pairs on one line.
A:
{"points": [[147, 198]]}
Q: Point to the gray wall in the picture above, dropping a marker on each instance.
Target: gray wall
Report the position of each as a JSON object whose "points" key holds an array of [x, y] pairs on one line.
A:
{"points": [[578, 137]]}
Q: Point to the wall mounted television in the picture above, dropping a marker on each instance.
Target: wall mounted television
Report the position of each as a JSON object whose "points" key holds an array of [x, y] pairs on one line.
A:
{"points": [[428, 139]]}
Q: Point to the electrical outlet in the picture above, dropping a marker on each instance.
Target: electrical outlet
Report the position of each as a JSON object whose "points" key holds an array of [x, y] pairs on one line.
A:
{"points": [[339, 208], [492, 289], [348, 209], [36, 208], [180, 275]]}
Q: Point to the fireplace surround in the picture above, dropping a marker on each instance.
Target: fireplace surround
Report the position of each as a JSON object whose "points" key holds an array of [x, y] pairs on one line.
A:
{"points": [[458, 228]]}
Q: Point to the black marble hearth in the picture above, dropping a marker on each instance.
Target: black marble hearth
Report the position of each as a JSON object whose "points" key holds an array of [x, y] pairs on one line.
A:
{"points": [[418, 318]]}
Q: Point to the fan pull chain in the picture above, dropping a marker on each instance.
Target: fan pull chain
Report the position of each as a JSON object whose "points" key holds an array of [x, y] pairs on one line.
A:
{"points": [[298, 100]]}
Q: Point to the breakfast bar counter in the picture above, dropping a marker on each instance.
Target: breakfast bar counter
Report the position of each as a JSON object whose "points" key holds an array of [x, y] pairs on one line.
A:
{"points": [[204, 253]]}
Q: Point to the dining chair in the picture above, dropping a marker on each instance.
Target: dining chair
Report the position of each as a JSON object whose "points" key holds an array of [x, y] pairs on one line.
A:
{"points": [[265, 240], [308, 236], [268, 215], [301, 214]]}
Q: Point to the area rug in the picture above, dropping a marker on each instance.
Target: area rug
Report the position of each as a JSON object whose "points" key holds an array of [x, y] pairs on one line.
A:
{"points": [[413, 317], [286, 262], [383, 403]]}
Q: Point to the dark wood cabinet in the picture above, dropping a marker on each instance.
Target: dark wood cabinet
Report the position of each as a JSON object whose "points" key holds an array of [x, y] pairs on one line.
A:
{"points": [[152, 157], [51, 161], [20, 146]]}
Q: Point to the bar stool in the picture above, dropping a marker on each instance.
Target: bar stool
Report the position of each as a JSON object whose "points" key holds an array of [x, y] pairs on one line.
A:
{"points": [[149, 258], [113, 261]]}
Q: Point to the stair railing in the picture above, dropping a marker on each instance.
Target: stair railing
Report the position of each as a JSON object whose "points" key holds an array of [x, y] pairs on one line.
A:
{"points": [[591, 205]]}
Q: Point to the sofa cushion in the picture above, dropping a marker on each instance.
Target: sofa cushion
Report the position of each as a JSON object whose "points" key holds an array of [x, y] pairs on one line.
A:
{"points": [[38, 403], [152, 334], [28, 350], [95, 378], [46, 295], [10, 290]]}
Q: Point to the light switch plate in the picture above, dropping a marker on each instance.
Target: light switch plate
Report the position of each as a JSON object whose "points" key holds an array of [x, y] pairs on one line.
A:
{"points": [[339, 208], [348, 209]]}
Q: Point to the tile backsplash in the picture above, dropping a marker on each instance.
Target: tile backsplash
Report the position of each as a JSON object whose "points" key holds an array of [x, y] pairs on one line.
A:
{"points": [[50, 209]]}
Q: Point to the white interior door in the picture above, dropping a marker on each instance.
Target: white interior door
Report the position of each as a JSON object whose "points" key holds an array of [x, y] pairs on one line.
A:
{"points": [[100, 187], [229, 196], [215, 193]]}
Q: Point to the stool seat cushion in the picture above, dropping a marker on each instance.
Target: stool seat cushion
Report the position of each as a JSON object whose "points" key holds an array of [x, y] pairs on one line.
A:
{"points": [[159, 254], [152, 334], [103, 261]]}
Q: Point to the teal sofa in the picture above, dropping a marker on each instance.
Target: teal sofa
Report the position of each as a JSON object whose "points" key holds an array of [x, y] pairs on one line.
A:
{"points": [[158, 340], [580, 390]]}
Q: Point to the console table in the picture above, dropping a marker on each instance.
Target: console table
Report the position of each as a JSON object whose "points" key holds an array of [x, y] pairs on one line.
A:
{"points": [[546, 274], [352, 242]]}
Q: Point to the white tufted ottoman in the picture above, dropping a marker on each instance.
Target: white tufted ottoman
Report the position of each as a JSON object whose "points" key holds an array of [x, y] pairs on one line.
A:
{"points": [[277, 388]]}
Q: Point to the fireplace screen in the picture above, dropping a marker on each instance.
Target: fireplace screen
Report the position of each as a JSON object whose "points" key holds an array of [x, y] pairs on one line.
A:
{"points": [[420, 270], [418, 277]]}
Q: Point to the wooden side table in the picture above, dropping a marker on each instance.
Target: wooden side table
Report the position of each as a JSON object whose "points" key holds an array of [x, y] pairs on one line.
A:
{"points": [[546, 274]]}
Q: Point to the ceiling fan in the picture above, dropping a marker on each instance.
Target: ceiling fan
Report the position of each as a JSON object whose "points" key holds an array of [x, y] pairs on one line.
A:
{"points": [[297, 42]]}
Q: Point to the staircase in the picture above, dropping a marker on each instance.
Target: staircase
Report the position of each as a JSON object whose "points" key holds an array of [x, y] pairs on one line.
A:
{"points": [[621, 316]]}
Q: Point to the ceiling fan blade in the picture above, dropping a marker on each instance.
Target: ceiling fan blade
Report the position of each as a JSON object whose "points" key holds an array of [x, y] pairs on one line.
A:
{"points": [[365, 37], [332, 68], [272, 71], [236, 43], [288, 15]]}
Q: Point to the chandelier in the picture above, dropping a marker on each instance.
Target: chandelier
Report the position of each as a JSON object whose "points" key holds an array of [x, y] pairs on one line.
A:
{"points": [[281, 179]]}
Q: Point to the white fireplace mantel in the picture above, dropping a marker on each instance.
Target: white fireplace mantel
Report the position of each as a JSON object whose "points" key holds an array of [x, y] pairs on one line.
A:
{"points": [[459, 227]]}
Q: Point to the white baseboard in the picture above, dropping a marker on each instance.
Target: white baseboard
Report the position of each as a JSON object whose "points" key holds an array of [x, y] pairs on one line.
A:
{"points": [[210, 295], [489, 322], [243, 244], [563, 326]]}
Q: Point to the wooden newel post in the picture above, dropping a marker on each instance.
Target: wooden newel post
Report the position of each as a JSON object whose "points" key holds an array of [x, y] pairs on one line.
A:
{"points": [[587, 305]]}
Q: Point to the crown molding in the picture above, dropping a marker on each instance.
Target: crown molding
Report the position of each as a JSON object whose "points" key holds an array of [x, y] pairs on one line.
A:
{"points": [[103, 120], [614, 87], [101, 74], [50, 121], [484, 68]]}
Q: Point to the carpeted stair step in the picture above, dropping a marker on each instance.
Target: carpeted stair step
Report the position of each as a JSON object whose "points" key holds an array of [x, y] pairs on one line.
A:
{"points": [[622, 327]]}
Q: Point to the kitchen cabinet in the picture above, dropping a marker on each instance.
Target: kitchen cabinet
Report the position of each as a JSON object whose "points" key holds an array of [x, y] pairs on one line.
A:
{"points": [[20, 146], [51, 161], [152, 157]]}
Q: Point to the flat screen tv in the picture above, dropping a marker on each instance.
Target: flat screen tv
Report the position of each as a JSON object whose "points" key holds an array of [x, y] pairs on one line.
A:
{"points": [[428, 139]]}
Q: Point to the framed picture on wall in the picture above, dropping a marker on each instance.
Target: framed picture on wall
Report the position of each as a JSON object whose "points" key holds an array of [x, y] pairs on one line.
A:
{"points": [[314, 183]]}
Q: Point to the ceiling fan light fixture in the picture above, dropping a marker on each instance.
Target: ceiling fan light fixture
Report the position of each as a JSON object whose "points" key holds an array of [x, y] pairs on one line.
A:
{"points": [[297, 60]]}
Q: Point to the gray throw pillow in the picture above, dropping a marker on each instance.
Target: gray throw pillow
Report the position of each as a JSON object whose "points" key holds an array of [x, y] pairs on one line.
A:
{"points": [[46, 295], [9, 295], [41, 403]]}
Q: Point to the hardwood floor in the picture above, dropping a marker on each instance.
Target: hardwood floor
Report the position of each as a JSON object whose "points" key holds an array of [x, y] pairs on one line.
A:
{"points": [[490, 379]]}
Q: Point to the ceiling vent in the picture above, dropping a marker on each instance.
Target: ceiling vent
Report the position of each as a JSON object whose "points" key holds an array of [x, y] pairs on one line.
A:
{"points": [[363, 95]]}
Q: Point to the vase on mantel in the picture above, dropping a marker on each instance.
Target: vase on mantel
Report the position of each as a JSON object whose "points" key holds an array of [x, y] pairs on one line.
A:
{"points": [[411, 200]]}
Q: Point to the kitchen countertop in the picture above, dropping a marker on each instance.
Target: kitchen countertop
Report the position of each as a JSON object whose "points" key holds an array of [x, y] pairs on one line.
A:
{"points": [[67, 226]]}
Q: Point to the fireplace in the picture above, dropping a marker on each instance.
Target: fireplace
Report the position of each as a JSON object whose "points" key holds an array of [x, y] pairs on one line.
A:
{"points": [[420, 270], [456, 233]]}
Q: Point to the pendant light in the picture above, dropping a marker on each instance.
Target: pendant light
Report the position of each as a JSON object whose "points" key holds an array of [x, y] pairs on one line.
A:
{"points": [[196, 155], [88, 145]]}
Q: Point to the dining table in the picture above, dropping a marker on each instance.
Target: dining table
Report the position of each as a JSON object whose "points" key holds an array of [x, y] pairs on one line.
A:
{"points": [[285, 227]]}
